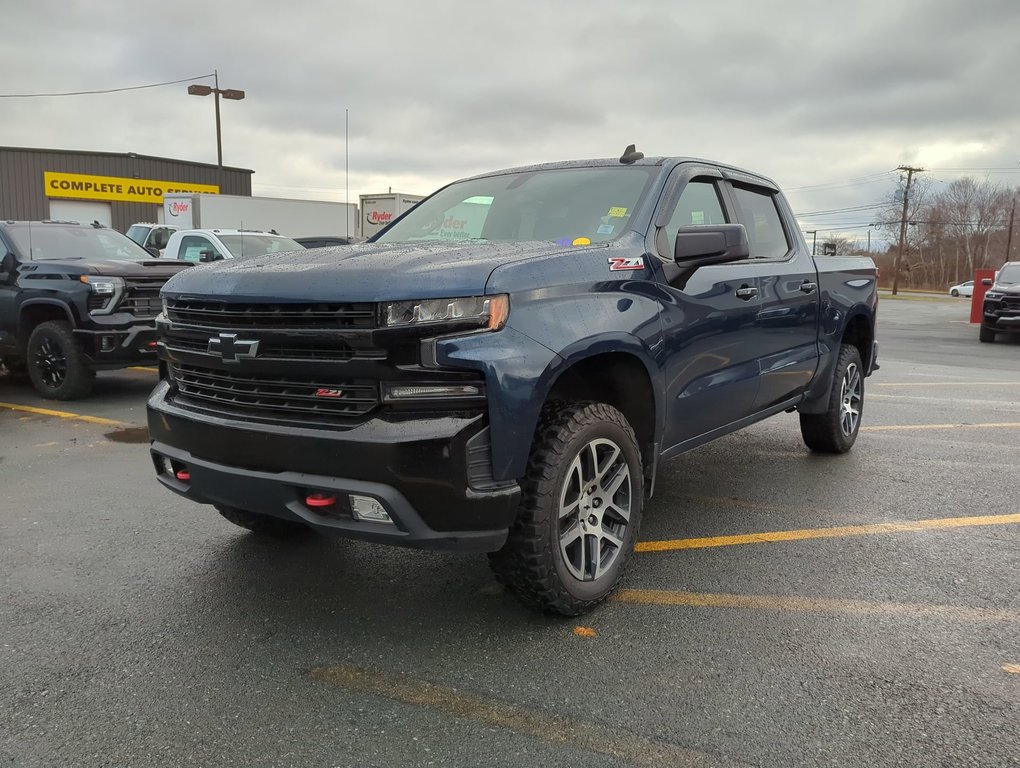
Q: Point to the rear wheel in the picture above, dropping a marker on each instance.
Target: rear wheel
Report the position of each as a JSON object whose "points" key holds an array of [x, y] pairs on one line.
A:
{"points": [[835, 431], [264, 525], [580, 512], [955, 293], [986, 335], [56, 366]]}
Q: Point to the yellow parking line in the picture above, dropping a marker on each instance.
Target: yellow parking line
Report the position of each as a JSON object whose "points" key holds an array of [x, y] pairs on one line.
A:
{"points": [[823, 533], [906, 427], [544, 726], [949, 384], [63, 414], [807, 605]]}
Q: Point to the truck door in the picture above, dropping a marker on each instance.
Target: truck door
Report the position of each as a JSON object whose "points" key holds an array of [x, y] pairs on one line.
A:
{"points": [[708, 319], [787, 332], [8, 296]]}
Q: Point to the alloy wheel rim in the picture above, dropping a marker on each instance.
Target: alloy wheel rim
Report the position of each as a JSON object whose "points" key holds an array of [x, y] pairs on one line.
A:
{"points": [[851, 397], [595, 509], [51, 363]]}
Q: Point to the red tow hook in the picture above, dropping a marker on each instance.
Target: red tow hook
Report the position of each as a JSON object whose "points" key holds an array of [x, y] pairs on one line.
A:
{"points": [[183, 475], [317, 500]]}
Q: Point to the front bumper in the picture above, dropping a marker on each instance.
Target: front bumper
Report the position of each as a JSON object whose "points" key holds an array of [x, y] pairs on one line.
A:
{"points": [[416, 469], [118, 346], [1002, 315]]}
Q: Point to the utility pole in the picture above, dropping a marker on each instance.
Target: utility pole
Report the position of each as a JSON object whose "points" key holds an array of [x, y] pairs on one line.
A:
{"points": [[903, 225], [1009, 237]]}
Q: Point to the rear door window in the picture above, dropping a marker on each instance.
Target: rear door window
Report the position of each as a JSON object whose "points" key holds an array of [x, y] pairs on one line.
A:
{"points": [[757, 209]]}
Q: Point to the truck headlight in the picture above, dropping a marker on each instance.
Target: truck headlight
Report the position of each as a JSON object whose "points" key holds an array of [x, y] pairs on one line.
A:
{"points": [[479, 311], [103, 286]]}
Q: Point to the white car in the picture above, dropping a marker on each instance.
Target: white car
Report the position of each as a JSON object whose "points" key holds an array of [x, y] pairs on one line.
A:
{"points": [[215, 244], [963, 289]]}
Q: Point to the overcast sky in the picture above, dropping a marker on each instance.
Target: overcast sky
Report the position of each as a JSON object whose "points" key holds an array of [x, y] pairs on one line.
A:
{"points": [[825, 100]]}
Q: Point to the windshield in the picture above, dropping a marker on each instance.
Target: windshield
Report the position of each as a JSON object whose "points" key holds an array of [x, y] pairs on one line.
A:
{"points": [[258, 245], [138, 234], [569, 206], [1009, 275], [49, 241]]}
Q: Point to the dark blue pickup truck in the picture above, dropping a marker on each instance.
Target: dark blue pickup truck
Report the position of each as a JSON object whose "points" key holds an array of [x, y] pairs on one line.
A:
{"points": [[504, 367]]}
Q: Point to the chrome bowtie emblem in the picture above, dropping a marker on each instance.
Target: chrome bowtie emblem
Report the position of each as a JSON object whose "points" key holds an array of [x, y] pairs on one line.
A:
{"points": [[231, 348]]}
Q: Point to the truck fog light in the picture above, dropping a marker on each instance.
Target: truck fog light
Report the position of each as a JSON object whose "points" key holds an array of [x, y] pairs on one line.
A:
{"points": [[431, 391], [367, 509], [108, 343]]}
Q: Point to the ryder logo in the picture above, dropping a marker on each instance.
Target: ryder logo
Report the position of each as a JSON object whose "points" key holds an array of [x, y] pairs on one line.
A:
{"points": [[177, 208], [379, 217], [625, 263]]}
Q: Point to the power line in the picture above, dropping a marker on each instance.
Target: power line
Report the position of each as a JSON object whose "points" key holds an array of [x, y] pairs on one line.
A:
{"points": [[869, 179], [850, 209], [105, 90]]}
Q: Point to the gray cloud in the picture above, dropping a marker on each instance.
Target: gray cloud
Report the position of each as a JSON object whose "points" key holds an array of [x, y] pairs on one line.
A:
{"points": [[801, 91]]}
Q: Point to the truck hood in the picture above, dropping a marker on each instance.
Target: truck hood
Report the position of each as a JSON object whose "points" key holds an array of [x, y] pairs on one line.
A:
{"points": [[364, 272], [116, 268], [1012, 289]]}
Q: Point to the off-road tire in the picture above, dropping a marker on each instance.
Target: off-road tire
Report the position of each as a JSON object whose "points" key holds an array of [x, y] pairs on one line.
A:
{"points": [[78, 378], [823, 432], [264, 525], [987, 335], [531, 564]]}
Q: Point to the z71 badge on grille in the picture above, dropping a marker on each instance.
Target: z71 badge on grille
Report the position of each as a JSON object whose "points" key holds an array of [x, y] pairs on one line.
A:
{"points": [[323, 392]]}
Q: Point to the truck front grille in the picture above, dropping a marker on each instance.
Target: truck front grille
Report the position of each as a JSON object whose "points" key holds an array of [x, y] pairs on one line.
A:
{"points": [[289, 398], [226, 315], [141, 302], [299, 351]]}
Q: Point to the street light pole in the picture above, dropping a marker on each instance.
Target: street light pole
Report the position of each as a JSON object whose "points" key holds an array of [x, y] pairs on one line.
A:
{"points": [[227, 93], [219, 139]]}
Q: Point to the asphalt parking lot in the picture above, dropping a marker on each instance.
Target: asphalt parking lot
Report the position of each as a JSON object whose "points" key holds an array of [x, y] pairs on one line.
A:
{"points": [[783, 609]]}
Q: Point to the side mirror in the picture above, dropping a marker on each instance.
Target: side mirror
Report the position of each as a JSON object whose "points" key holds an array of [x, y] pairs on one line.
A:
{"points": [[206, 256], [702, 244], [986, 281], [7, 265], [153, 250]]}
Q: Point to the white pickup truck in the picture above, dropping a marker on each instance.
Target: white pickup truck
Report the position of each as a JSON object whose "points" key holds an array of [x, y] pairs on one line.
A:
{"points": [[216, 244]]}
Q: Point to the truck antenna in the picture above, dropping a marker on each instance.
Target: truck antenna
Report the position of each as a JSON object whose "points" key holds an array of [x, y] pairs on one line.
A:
{"points": [[347, 172], [631, 155]]}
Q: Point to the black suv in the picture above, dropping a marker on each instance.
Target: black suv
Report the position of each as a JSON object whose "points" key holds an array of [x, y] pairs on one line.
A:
{"points": [[1000, 311], [75, 299]]}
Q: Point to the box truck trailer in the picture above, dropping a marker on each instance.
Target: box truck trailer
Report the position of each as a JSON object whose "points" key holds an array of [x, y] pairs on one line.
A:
{"points": [[293, 218], [378, 211]]}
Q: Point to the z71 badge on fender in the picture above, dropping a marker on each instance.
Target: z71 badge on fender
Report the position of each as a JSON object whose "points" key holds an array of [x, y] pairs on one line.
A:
{"points": [[625, 263]]}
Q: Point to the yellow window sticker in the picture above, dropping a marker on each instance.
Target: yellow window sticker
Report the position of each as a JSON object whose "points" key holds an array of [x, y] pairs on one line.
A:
{"points": [[617, 212], [581, 241]]}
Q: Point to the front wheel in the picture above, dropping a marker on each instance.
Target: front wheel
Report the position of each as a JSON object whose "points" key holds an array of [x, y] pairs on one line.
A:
{"points": [[954, 293], [580, 512], [987, 335], [56, 366], [835, 431]]}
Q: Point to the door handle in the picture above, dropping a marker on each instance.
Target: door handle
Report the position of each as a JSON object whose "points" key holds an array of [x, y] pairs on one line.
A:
{"points": [[746, 293], [808, 287]]}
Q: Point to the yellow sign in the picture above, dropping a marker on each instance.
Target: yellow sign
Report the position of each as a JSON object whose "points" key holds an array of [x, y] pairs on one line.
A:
{"points": [[86, 187]]}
